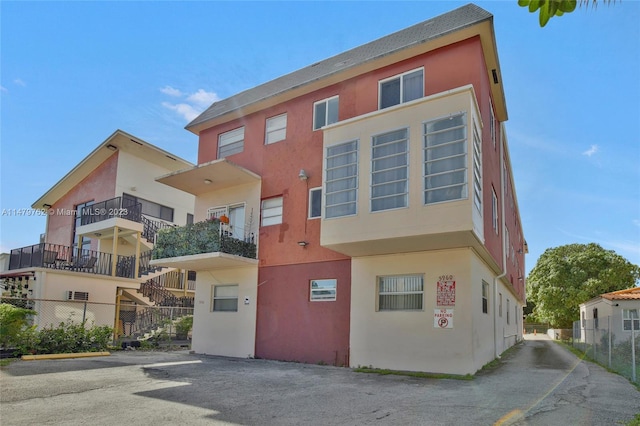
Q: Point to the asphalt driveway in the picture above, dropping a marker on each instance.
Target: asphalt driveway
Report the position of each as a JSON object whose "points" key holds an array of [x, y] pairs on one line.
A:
{"points": [[537, 383]]}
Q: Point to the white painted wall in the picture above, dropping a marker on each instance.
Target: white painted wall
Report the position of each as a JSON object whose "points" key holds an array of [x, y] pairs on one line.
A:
{"points": [[138, 173], [225, 333]]}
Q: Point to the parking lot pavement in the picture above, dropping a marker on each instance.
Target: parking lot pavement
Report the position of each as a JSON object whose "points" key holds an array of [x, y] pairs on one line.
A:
{"points": [[537, 383]]}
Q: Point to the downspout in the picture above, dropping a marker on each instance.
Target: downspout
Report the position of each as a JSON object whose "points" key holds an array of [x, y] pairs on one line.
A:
{"points": [[504, 253]]}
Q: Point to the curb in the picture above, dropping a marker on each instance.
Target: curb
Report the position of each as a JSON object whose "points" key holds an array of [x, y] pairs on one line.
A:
{"points": [[63, 356]]}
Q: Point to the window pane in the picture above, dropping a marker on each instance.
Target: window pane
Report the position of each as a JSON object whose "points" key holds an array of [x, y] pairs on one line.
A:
{"points": [[445, 159], [323, 289], [332, 114], [319, 115], [389, 185], [315, 203], [412, 86], [341, 179], [276, 129], [390, 93], [272, 211], [225, 305], [400, 292]]}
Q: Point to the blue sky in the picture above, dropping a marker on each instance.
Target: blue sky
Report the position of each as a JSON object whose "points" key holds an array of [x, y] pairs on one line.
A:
{"points": [[71, 73]]}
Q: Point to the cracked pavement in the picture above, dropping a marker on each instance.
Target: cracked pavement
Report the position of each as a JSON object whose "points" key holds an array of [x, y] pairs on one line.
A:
{"points": [[536, 383]]}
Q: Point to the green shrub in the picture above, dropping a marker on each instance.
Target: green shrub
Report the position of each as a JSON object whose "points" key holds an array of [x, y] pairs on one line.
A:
{"points": [[13, 321], [65, 338]]}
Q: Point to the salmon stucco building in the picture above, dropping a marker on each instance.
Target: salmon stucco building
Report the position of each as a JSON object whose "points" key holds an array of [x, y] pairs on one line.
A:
{"points": [[362, 210]]}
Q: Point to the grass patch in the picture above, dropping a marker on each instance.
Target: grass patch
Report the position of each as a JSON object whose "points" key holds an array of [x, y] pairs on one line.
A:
{"points": [[635, 421], [419, 374], [7, 361]]}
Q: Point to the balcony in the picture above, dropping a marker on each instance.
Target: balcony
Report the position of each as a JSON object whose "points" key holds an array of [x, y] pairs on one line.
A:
{"points": [[55, 256], [201, 246], [100, 219]]}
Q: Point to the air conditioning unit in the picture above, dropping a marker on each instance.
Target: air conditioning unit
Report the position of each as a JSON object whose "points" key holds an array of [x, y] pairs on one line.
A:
{"points": [[77, 295]]}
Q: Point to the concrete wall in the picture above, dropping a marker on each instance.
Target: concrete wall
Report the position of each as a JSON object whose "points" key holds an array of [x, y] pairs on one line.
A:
{"points": [[225, 333], [291, 327]]}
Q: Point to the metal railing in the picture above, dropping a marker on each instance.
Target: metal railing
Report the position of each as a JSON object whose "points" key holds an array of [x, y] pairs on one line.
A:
{"points": [[55, 256], [151, 228], [108, 209], [155, 290]]}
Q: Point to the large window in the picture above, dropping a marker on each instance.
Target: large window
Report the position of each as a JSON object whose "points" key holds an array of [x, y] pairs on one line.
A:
{"points": [[485, 297], [341, 180], [149, 208], [445, 159], [276, 129], [400, 293], [272, 211], [325, 112], [315, 202], [225, 298], [629, 317], [323, 290], [230, 143], [401, 88], [389, 170]]}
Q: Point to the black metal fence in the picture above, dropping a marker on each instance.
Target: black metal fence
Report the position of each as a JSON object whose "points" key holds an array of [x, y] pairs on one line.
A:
{"points": [[108, 209]]}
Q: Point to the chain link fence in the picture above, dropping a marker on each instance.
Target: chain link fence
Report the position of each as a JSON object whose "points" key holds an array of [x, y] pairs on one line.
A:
{"points": [[134, 321], [611, 342]]}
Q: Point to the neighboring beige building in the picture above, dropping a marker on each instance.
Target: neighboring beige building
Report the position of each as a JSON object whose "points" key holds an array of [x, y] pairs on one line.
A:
{"points": [[616, 312], [102, 218]]}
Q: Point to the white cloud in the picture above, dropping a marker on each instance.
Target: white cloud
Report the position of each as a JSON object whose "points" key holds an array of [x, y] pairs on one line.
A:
{"points": [[19, 82], [168, 90], [194, 103], [592, 150], [204, 98], [185, 110], [3, 89]]}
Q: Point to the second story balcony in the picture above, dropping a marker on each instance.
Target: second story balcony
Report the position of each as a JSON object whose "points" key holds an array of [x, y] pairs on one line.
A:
{"points": [[204, 245]]}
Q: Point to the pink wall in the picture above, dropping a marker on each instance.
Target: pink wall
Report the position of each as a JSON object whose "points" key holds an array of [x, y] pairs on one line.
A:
{"points": [[99, 185], [292, 328]]}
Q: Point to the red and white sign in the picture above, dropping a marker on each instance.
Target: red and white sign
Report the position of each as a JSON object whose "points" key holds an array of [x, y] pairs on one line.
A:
{"points": [[446, 291], [443, 318]]}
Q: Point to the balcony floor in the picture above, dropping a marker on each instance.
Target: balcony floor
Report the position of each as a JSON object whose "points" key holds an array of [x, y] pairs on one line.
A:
{"points": [[206, 261]]}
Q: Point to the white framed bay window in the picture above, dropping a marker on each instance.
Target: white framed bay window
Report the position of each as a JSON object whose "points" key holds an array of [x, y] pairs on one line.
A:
{"points": [[231, 142], [401, 88], [341, 180]]}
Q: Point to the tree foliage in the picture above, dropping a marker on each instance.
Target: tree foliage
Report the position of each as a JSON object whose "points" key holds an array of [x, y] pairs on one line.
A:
{"points": [[566, 276], [550, 8]]}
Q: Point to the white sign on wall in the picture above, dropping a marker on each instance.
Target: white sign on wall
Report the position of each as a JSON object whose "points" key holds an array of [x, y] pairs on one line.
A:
{"points": [[443, 318]]}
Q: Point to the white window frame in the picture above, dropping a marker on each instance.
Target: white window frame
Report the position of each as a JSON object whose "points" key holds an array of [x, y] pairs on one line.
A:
{"points": [[215, 297], [431, 173], [347, 206], [327, 109], [318, 294], [233, 137], [271, 211], [400, 284], [377, 171], [630, 316], [275, 129], [401, 78], [313, 191]]}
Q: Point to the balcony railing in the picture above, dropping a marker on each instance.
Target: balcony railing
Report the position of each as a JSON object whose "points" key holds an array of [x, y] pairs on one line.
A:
{"points": [[202, 237], [55, 256], [109, 209]]}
